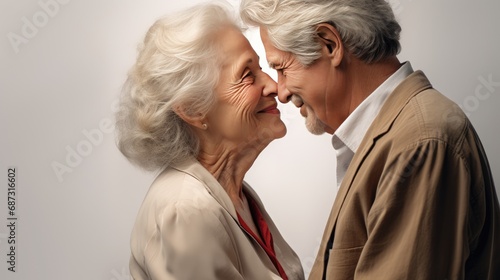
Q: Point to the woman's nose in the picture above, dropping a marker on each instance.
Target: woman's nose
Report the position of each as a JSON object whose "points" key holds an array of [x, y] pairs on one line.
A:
{"points": [[270, 86]]}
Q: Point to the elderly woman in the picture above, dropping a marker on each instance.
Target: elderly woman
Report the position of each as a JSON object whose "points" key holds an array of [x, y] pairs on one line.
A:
{"points": [[197, 106]]}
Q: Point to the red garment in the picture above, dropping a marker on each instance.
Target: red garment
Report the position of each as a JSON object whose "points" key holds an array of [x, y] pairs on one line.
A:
{"points": [[266, 240]]}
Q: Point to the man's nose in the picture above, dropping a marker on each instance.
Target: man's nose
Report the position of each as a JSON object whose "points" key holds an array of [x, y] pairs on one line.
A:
{"points": [[284, 94]]}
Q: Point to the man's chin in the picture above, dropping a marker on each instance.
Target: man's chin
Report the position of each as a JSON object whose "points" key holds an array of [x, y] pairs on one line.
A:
{"points": [[315, 126], [316, 131]]}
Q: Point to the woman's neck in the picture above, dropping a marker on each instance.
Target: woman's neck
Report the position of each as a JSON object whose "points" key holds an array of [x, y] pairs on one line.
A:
{"points": [[229, 164]]}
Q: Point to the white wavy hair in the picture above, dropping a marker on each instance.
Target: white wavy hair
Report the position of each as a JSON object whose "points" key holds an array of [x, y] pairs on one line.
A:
{"points": [[177, 66], [368, 28]]}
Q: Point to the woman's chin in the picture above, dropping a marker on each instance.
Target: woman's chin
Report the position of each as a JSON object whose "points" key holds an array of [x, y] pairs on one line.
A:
{"points": [[278, 129], [282, 133]]}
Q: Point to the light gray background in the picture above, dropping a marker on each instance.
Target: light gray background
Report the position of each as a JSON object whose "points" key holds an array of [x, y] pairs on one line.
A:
{"points": [[61, 83]]}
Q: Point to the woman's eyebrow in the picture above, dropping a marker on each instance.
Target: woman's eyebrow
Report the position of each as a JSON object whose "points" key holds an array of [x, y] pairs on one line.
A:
{"points": [[244, 63]]}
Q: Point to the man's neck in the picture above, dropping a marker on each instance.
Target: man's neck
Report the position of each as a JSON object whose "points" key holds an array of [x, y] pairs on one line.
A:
{"points": [[366, 78]]}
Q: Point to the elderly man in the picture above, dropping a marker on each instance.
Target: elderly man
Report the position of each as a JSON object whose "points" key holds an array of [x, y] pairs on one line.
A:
{"points": [[416, 197]]}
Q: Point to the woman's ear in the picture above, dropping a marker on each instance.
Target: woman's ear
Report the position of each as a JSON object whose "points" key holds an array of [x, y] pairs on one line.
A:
{"points": [[196, 120], [331, 43]]}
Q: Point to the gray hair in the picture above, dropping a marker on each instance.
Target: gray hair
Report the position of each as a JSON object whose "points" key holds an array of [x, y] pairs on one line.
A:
{"points": [[368, 28], [177, 67]]}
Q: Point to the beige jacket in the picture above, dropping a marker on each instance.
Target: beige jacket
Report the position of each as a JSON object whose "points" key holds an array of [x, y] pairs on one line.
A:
{"points": [[187, 228], [418, 199]]}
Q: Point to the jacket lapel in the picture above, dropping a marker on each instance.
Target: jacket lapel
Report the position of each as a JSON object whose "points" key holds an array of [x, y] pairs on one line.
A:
{"points": [[402, 94], [214, 188]]}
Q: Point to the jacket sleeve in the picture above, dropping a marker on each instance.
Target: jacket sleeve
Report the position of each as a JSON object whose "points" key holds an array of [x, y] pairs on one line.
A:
{"points": [[418, 225], [191, 242]]}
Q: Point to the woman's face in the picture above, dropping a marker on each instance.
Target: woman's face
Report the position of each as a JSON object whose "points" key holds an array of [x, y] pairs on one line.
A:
{"points": [[245, 113]]}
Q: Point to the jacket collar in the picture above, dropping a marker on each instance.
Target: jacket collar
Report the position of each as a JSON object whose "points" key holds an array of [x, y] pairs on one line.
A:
{"points": [[399, 98], [194, 168]]}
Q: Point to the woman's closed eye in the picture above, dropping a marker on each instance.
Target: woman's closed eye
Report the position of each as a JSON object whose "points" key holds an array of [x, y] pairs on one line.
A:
{"points": [[248, 77]]}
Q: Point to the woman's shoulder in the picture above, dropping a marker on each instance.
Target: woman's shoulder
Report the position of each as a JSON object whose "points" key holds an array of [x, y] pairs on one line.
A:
{"points": [[176, 196], [174, 186], [178, 210]]}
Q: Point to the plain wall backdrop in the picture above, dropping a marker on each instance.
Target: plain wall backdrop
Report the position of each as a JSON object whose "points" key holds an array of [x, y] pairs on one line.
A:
{"points": [[62, 67]]}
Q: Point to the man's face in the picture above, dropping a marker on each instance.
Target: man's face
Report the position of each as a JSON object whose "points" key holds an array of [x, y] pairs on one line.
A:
{"points": [[308, 87]]}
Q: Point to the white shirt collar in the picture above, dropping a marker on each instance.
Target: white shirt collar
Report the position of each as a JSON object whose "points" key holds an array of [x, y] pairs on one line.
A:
{"points": [[349, 135]]}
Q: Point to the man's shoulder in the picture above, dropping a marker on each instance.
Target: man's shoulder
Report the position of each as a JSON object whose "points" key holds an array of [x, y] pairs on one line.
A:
{"points": [[438, 115], [427, 116], [431, 115]]}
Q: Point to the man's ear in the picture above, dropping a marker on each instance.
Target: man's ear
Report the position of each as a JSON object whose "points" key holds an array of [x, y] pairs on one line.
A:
{"points": [[196, 120], [331, 43]]}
